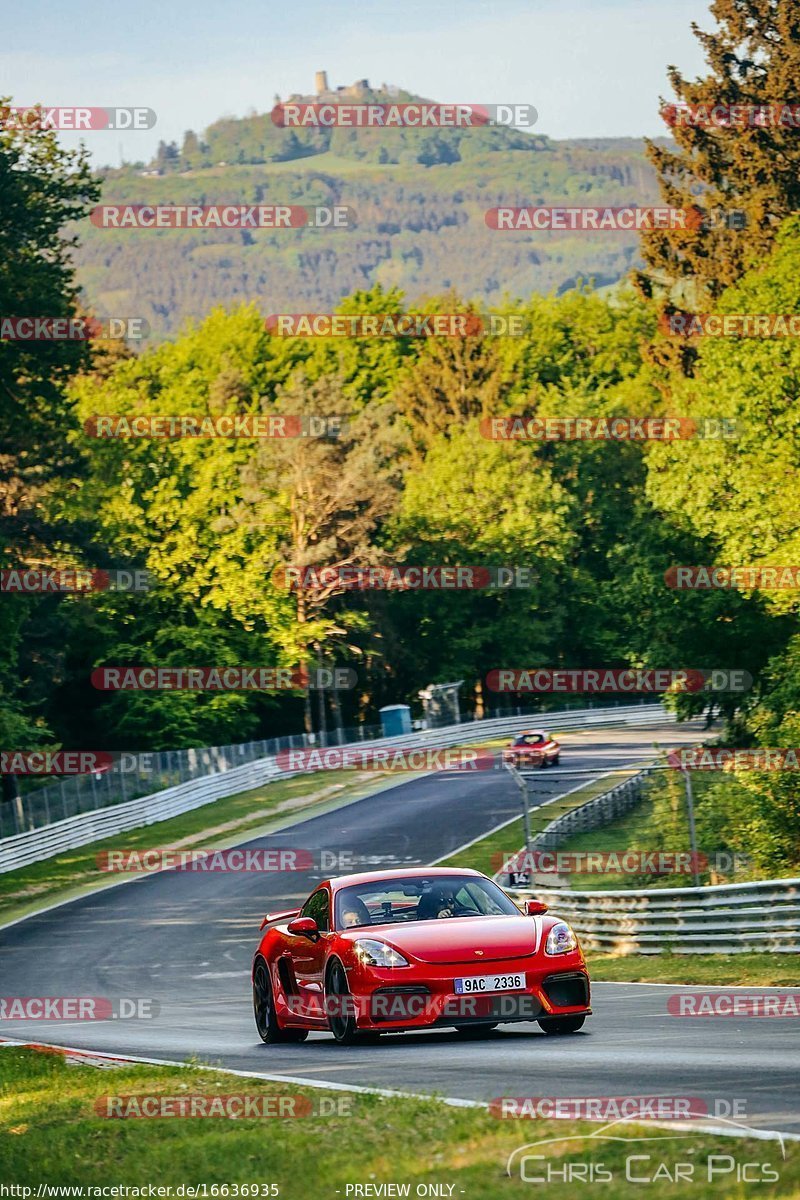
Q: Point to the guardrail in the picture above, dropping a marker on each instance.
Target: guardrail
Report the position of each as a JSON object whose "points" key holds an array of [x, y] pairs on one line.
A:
{"points": [[594, 813], [719, 919], [716, 919], [133, 776], [34, 845]]}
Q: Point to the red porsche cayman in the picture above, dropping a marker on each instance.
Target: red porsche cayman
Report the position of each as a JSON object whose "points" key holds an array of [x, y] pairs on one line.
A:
{"points": [[410, 949], [533, 748]]}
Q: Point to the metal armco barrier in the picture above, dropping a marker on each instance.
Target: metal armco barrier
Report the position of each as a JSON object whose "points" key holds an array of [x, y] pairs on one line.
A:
{"points": [[37, 844], [718, 919], [594, 813], [591, 815]]}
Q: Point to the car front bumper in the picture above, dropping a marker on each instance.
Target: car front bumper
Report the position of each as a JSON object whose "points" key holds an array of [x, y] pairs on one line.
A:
{"points": [[417, 998]]}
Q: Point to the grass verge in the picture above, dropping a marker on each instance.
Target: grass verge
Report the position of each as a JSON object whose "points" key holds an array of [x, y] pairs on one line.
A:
{"points": [[51, 1133], [766, 970], [221, 823], [487, 854], [659, 822]]}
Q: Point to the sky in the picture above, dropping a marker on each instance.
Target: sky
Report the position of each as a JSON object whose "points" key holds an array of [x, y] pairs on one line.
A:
{"points": [[592, 68]]}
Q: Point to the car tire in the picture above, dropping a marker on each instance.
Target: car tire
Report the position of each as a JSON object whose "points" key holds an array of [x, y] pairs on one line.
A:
{"points": [[475, 1031], [264, 1010], [342, 1026], [555, 761], [561, 1024]]}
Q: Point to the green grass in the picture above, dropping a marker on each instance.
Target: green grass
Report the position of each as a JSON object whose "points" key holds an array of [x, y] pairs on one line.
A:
{"points": [[222, 823], [648, 827], [625, 833], [50, 1133], [487, 854], [766, 970], [748, 968]]}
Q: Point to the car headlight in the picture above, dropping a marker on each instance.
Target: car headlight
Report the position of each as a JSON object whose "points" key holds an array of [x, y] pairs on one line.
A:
{"points": [[560, 939], [378, 954]]}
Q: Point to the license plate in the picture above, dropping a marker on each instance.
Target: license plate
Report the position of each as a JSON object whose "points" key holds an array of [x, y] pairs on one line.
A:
{"points": [[470, 984]]}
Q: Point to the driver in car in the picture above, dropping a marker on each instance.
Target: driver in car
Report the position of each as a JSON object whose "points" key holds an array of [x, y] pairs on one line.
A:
{"points": [[436, 903]]}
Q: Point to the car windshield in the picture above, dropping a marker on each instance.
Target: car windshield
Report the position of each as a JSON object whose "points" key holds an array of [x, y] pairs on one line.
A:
{"points": [[417, 898], [529, 739]]}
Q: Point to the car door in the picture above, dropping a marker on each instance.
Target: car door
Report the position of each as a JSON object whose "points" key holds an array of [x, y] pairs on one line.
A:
{"points": [[308, 955]]}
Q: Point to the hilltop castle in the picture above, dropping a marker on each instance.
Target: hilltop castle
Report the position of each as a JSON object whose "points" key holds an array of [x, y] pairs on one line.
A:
{"points": [[359, 90]]}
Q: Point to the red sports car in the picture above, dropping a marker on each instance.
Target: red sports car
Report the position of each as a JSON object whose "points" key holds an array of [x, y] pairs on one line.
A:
{"points": [[410, 949], [533, 748]]}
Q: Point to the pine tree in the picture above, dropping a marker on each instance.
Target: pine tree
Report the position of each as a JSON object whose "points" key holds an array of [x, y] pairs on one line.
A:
{"points": [[742, 177], [191, 152]]}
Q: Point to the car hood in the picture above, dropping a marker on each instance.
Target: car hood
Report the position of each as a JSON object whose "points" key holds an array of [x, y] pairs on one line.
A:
{"points": [[456, 939]]}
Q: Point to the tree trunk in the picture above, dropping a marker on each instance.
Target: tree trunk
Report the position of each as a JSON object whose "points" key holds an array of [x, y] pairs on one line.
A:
{"points": [[323, 724], [336, 709]]}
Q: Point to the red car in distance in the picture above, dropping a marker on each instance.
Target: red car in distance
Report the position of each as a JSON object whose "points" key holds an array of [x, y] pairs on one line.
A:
{"points": [[533, 748], [387, 951]]}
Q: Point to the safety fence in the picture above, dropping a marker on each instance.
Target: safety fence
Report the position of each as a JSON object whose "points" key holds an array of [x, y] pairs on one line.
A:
{"points": [[134, 775], [33, 845], [594, 813], [718, 919]]}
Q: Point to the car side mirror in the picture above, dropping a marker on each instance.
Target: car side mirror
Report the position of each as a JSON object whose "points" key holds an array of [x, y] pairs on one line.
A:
{"points": [[303, 927], [533, 908]]}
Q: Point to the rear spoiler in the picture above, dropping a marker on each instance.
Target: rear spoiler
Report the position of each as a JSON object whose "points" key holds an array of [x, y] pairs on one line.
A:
{"points": [[271, 918]]}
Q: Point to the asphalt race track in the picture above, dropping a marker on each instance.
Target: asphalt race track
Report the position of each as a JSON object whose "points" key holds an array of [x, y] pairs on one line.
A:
{"points": [[187, 939]]}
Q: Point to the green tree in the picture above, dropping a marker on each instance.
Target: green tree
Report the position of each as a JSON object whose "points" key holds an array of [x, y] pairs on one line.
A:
{"points": [[754, 59], [740, 491], [43, 189], [474, 502]]}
